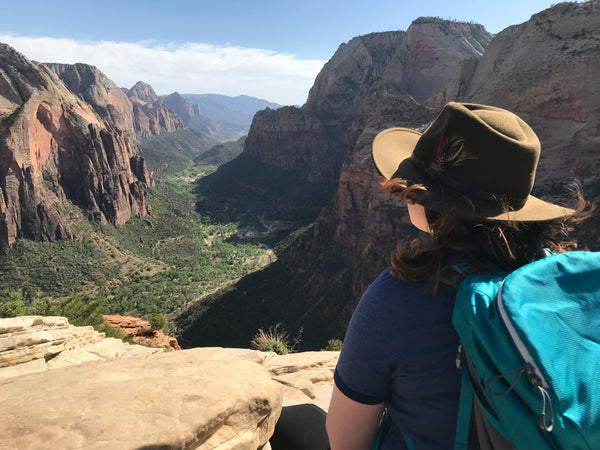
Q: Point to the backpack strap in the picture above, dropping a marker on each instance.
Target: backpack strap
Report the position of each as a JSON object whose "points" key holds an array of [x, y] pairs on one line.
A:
{"points": [[465, 405]]}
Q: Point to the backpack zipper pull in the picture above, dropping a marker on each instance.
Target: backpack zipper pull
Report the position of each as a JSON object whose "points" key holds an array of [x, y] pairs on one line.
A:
{"points": [[542, 419], [537, 382]]}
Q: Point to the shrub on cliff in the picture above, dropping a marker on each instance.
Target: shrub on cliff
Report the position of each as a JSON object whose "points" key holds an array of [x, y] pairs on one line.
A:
{"points": [[157, 321], [333, 345], [273, 340]]}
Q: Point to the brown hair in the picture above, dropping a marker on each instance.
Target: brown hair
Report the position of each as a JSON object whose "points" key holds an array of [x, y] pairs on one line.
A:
{"points": [[483, 245]]}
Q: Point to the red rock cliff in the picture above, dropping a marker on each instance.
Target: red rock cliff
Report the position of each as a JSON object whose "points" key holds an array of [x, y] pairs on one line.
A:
{"points": [[53, 147]]}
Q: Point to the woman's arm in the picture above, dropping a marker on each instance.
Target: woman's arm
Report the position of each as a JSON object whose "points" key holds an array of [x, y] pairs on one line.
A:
{"points": [[351, 425]]}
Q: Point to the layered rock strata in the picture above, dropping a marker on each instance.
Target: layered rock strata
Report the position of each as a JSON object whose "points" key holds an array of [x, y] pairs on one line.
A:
{"points": [[54, 147], [30, 344], [545, 70], [150, 116], [24, 339]]}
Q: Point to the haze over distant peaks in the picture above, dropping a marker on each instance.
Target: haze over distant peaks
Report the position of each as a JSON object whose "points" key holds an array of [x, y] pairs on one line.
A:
{"points": [[237, 110]]}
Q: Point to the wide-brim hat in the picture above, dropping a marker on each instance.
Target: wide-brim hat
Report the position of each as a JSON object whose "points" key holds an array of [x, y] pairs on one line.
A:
{"points": [[477, 160]]}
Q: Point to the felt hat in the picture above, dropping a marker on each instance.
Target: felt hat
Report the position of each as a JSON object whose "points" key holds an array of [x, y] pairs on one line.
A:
{"points": [[475, 159]]}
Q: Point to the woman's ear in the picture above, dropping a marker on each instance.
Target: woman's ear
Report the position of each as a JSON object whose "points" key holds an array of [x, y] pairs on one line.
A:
{"points": [[418, 217]]}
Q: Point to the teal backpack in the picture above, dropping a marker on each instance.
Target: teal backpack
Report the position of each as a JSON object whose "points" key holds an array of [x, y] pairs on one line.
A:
{"points": [[530, 355]]}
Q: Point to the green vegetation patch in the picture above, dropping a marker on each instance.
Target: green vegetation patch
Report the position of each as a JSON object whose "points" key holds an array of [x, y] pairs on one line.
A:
{"points": [[58, 268], [172, 152]]}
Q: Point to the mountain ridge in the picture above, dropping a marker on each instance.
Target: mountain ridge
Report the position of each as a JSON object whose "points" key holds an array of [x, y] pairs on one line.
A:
{"points": [[318, 281], [54, 147]]}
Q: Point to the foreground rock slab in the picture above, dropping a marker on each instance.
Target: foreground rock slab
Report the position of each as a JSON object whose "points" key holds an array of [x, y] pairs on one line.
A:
{"points": [[305, 377], [199, 398]]}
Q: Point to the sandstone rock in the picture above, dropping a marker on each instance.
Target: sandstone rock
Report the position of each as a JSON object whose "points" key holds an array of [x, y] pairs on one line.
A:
{"points": [[30, 344], [417, 62], [295, 362], [288, 127], [181, 106], [308, 372], [54, 147], [141, 93], [107, 99], [132, 326], [138, 111], [27, 338], [141, 331], [106, 349], [545, 70], [254, 356], [151, 116], [33, 366], [200, 398], [306, 377]]}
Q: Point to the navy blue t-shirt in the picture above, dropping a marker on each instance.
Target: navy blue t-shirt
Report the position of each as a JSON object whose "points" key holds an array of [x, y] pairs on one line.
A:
{"points": [[400, 348]]}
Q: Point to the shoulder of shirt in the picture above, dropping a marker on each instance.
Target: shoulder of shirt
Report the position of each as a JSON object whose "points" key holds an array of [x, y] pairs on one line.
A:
{"points": [[388, 280]]}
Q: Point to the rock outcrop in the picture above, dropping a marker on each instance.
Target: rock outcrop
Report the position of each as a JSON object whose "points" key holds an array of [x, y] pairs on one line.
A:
{"points": [[192, 116], [199, 398], [54, 147], [141, 93], [545, 70], [94, 87], [24, 339], [203, 398], [182, 106], [417, 62], [141, 332]]}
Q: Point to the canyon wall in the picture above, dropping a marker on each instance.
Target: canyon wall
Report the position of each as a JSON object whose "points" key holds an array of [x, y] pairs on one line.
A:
{"points": [[310, 143], [543, 69], [55, 147], [315, 285], [137, 111]]}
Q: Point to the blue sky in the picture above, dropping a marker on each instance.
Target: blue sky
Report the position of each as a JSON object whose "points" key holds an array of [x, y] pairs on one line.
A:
{"points": [[263, 48]]}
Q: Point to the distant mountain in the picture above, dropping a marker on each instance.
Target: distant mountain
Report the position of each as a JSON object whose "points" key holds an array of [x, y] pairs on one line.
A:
{"points": [[197, 120], [238, 111]]}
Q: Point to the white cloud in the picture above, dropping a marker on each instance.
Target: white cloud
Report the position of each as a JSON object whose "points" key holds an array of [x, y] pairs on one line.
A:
{"points": [[193, 68]]}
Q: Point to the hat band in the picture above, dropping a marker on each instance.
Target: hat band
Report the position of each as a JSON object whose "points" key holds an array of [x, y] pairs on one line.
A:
{"points": [[476, 198]]}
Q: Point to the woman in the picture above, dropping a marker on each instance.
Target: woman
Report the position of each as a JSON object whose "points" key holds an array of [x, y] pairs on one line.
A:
{"points": [[467, 181]]}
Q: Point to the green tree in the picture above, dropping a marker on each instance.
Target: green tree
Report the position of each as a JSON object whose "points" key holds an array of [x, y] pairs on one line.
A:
{"points": [[333, 345], [81, 313], [14, 307], [157, 321]]}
